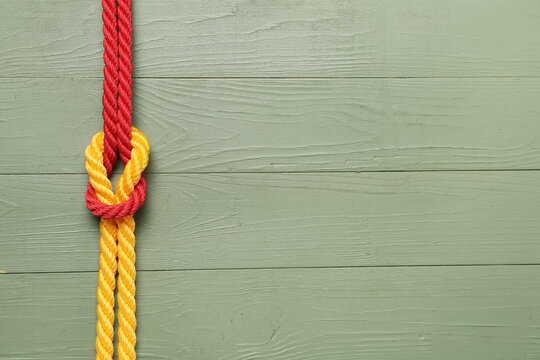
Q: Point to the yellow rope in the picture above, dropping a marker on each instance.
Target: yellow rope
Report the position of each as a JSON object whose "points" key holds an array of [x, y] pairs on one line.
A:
{"points": [[113, 231]]}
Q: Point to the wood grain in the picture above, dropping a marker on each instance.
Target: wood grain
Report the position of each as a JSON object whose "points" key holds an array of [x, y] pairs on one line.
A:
{"points": [[329, 179], [282, 220], [270, 125], [470, 313], [261, 38]]}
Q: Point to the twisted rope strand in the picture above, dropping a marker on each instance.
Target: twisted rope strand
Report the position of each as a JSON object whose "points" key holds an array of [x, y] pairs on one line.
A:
{"points": [[108, 251], [122, 120], [125, 69], [127, 321], [105, 291], [126, 226], [110, 82], [121, 230], [117, 227], [107, 242]]}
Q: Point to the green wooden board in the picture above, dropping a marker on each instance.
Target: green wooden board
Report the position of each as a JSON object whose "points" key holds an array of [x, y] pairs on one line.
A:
{"points": [[247, 38], [282, 125], [422, 313], [329, 179], [283, 220]]}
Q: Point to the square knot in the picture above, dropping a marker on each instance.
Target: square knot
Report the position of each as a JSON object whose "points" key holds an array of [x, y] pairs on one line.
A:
{"points": [[131, 187]]}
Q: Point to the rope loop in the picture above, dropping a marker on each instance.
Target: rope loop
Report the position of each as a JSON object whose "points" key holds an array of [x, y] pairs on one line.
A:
{"points": [[131, 187], [117, 227]]}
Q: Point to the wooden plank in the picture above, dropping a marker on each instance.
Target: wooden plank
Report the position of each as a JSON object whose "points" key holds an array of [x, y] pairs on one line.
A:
{"points": [[279, 38], [475, 313], [282, 125], [51, 38], [282, 220]]}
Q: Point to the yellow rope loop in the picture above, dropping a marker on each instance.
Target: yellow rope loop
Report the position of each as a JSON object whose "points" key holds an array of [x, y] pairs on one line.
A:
{"points": [[132, 170], [135, 166], [96, 170], [113, 231]]}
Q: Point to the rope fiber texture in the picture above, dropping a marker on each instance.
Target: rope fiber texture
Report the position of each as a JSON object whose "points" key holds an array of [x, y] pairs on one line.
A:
{"points": [[117, 239]]}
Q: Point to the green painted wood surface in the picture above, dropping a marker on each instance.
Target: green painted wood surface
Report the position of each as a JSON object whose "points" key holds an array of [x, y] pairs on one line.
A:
{"points": [[329, 179], [276, 125], [481, 313], [246, 38], [283, 220]]}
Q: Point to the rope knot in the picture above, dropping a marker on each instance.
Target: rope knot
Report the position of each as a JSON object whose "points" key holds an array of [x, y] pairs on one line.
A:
{"points": [[131, 187]]}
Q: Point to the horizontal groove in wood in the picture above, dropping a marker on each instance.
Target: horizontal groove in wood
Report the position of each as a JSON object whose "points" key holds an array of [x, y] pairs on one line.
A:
{"points": [[406, 314], [282, 220], [116, 172], [281, 268], [280, 77], [280, 38], [200, 126]]}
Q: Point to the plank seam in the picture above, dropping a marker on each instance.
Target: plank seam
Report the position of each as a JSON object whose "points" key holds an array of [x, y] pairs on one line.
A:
{"points": [[284, 268], [277, 77], [288, 172]]}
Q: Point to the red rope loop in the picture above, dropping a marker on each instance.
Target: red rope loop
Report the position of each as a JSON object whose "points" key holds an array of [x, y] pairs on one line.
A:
{"points": [[129, 207], [117, 105]]}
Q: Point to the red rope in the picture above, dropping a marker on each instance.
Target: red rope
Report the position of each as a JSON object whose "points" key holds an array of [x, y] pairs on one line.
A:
{"points": [[110, 83], [117, 105], [124, 79]]}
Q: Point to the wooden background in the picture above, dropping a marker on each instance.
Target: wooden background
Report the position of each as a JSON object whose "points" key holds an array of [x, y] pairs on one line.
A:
{"points": [[329, 179]]}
